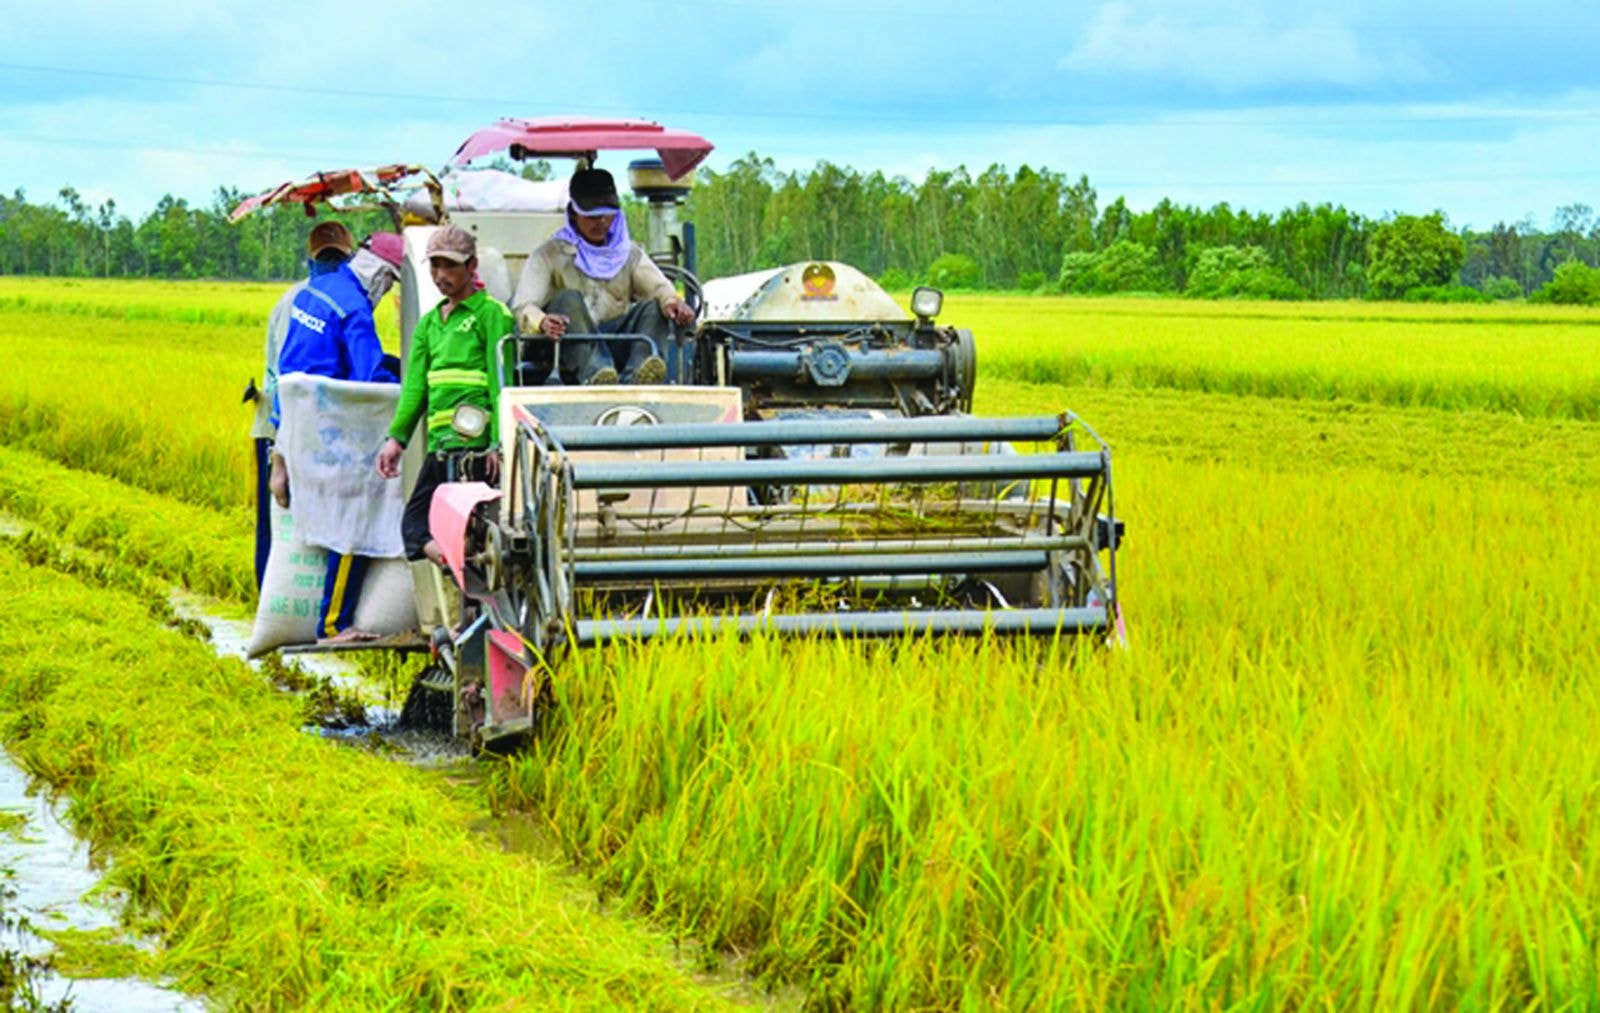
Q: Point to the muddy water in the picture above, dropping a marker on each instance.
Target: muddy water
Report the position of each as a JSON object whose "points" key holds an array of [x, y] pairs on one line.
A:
{"points": [[231, 637], [51, 874]]}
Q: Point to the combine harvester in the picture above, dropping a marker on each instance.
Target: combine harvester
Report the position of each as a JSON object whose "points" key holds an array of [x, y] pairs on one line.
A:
{"points": [[809, 468]]}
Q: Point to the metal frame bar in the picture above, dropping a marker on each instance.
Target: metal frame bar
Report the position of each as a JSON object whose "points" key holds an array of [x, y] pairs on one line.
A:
{"points": [[863, 547], [815, 566], [517, 340], [834, 471], [807, 432]]}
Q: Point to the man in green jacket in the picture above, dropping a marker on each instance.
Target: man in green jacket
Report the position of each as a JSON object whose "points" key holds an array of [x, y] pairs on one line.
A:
{"points": [[452, 364]]}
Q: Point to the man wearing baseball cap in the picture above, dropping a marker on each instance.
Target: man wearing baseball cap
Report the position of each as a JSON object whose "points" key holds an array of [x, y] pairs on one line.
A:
{"points": [[328, 330], [591, 278], [452, 367]]}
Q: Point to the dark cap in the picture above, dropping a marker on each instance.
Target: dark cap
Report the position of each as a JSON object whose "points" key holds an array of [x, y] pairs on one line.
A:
{"points": [[593, 188], [330, 236], [452, 242]]}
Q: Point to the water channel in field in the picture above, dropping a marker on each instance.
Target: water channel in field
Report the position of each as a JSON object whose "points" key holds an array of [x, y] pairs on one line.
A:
{"points": [[47, 882]]}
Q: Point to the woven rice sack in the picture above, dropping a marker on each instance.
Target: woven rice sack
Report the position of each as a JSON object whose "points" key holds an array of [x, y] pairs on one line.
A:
{"points": [[291, 593]]}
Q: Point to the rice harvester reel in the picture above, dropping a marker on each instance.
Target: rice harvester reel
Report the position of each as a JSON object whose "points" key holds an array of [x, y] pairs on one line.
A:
{"points": [[808, 474], [809, 467]]}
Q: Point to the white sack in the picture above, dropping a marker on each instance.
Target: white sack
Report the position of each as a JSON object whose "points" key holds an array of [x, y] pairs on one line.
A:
{"points": [[291, 592], [329, 439]]}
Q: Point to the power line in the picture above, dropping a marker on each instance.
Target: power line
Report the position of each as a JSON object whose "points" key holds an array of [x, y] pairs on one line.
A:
{"points": [[95, 143]]}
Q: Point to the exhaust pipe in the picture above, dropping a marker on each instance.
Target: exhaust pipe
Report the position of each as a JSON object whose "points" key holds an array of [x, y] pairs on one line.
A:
{"points": [[663, 198]]}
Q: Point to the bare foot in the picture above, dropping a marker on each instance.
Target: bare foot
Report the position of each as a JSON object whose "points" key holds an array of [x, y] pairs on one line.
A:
{"points": [[351, 635]]}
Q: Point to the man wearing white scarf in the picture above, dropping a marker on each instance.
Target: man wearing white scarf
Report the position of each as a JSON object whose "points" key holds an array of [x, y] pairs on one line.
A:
{"points": [[591, 278]]}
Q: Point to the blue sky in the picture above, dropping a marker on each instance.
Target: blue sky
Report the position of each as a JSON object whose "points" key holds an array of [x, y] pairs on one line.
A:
{"points": [[1489, 112]]}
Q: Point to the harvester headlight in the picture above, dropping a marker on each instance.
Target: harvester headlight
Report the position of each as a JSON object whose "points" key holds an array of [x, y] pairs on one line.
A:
{"points": [[926, 302], [469, 421]]}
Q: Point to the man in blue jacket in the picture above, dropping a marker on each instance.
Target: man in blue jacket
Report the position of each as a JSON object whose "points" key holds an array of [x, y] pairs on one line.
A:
{"points": [[331, 333]]}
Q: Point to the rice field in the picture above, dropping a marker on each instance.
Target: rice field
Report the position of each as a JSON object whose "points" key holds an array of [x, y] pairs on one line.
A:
{"points": [[1344, 762], [1537, 361]]}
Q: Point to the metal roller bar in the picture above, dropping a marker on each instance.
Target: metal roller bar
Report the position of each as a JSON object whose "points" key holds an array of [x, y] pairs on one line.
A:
{"points": [[833, 471], [865, 547], [801, 432], [837, 565], [901, 364], [1035, 622], [839, 513]]}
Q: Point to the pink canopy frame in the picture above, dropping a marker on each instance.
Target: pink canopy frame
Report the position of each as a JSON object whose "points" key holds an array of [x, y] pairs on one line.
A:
{"points": [[569, 136]]}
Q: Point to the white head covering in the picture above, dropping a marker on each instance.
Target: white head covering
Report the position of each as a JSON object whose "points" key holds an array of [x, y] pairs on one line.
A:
{"points": [[377, 275]]}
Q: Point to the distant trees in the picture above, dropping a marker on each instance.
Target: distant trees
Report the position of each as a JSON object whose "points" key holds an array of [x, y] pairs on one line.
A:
{"points": [[954, 270], [1124, 266], [1410, 252], [1232, 272], [1575, 283], [1030, 228], [175, 240]]}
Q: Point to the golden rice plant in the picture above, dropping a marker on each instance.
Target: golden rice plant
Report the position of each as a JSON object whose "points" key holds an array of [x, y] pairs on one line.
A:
{"points": [[1344, 761], [1536, 361]]}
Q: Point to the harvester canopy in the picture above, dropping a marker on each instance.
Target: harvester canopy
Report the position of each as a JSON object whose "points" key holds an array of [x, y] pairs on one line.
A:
{"points": [[570, 137]]}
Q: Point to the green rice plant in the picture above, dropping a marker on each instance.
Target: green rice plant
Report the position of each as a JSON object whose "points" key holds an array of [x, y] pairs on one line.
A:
{"points": [[202, 302], [229, 303], [204, 550], [1275, 434], [1344, 762], [140, 381], [282, 873]]}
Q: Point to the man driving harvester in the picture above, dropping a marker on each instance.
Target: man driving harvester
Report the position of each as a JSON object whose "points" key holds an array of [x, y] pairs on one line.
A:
{"points": [[591, 278]]}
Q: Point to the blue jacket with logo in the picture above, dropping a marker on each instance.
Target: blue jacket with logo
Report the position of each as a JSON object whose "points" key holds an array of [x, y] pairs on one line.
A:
{"points": [[331, 333]]}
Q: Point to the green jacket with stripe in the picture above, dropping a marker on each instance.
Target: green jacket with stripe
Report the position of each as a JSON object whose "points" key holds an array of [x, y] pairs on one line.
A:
{"points": [[451, 364]]}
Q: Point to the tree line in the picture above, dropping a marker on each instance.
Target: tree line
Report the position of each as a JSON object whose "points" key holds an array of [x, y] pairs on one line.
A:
{"points": [[1024, 229]]}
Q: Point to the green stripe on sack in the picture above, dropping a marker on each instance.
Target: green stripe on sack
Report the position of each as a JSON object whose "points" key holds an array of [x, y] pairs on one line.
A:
{"points": [[458, 377]]}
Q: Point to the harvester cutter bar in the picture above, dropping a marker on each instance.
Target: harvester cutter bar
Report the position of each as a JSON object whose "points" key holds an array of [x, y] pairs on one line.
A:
{"points": [[1009, 622], [713, 515], [841, 512]]}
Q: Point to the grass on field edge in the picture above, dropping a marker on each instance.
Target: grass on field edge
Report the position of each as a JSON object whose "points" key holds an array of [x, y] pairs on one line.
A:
{"points": [[280, 872]]}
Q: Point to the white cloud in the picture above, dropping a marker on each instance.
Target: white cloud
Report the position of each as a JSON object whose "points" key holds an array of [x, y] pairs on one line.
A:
{"points": [[1243, 53]]}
